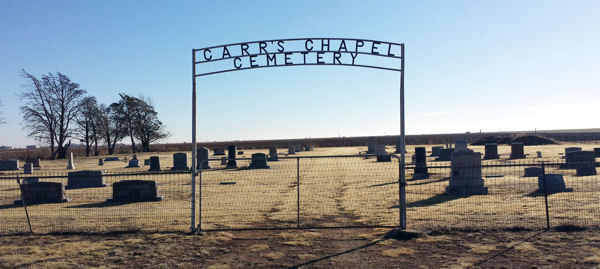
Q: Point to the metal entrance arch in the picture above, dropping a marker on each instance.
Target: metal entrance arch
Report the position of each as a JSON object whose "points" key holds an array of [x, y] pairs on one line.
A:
{"points": [[294, 52]]}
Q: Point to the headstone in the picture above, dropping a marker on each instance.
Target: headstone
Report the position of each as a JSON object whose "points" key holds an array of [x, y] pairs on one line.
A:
{"points": [[585, 170], [29, 180], [380, 150], [70, 165], [231, 162], [533, 171], [273, 157], [219, 152], [85, 179], [420, 171], [445, 155], [539, 154], [223, 160], [202, 158], [571, 149], [298, 148], [491, 151], [461, 145], [554, 183], [465, 178], [240, 153], [435, 151], [291, 149], [146, 161], [100, 162], [597, 152], [312, 148], [576, 159], [381, 154], [180, 161], [259, 161], [371, 143], [28, 169], [307, 148], [35, 162], [135, 191], [9, 165], [154, 163], [111, 159], [133, 163], [517, 150], [42, 193]]}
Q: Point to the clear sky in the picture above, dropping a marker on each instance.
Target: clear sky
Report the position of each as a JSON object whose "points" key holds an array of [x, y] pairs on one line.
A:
{"points": [[470, 65]]}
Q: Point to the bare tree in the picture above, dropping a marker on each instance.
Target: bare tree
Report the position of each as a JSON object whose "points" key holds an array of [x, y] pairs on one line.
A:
{"points": [[110, 126], [87, 121], [51, 104]]}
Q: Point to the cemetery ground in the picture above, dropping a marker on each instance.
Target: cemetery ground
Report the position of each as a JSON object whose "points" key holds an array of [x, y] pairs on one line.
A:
{"points": [[339, 248], [504, 228]]}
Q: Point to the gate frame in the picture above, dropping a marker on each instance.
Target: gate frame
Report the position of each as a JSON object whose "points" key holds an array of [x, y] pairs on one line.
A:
{"points": [[402, 142]]}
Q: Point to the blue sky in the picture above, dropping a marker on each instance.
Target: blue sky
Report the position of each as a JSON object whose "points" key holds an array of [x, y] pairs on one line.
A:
{"points": [[470, 65]]}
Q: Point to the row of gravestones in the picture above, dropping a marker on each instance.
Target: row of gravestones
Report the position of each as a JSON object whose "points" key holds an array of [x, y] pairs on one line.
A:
{"points": [[259, 160], [292, 149], [35, 192], [466, 176], [13, 165]]}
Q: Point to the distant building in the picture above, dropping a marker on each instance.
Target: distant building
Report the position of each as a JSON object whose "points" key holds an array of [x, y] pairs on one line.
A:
{"points": [[5, 147], [31, 147]]}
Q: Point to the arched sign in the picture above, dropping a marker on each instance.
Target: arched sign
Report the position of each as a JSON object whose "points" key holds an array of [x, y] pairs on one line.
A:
{"points": [[354, 52]]}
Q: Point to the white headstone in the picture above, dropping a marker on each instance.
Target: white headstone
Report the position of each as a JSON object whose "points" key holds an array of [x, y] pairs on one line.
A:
{"points": [[465, 174], [70, 165]]}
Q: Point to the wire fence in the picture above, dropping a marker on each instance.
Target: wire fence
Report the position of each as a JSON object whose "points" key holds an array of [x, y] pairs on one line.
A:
{"points": [[67, 204], [315, 192]]}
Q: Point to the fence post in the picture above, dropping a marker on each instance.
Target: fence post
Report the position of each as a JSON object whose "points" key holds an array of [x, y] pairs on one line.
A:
{"points": [[298, 193], [24, 204], [545, 196], [402, 192]]}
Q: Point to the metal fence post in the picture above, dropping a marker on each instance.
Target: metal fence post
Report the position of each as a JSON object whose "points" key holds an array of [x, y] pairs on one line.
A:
{"points": [[24, 204], [298, 193], [545, 196], [194, 149]]}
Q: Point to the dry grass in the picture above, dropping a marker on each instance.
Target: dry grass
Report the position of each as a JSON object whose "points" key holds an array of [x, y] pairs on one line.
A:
{"points": [[333, 248], [397, 252]]}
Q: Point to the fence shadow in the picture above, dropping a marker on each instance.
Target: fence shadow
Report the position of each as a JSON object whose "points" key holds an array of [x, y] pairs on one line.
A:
{"points": [[434, 200], [393, 234], [104, 204], [9, 206]]}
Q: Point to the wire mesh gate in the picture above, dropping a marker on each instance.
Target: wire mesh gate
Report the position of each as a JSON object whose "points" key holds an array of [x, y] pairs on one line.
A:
{"points": [[301, 192]]}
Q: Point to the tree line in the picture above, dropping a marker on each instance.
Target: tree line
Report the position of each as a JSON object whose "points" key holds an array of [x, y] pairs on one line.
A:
{"points": [[55, 110]]}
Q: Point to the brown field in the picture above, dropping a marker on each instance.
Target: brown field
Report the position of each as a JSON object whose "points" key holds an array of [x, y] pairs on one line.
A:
{"points": [[334, 192]]}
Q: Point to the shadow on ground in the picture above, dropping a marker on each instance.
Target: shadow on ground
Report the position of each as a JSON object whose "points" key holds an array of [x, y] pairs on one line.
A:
{"points": [[434, 200], [104, 204], [392, 234]]}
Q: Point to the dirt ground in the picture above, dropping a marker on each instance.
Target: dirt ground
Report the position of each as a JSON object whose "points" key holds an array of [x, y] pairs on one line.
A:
{"points": [[327, 248]]}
